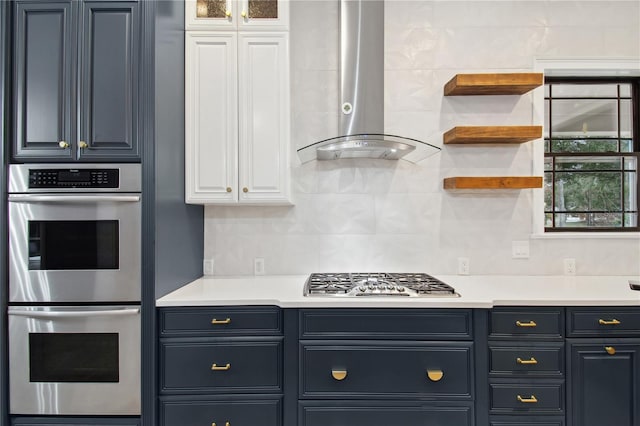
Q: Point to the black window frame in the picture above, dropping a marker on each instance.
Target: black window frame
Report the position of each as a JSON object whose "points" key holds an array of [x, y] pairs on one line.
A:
{"points": [[635, 137]]}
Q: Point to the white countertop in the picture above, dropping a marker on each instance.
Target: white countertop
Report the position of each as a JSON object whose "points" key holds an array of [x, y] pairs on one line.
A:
{"points": [[482, 291]]}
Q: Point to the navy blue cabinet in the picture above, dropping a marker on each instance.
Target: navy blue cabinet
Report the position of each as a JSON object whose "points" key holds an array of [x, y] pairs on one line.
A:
{"points": [[379, 367], [526, 366], [221, 366], [74, 421], [75, 80], [604, 374]]}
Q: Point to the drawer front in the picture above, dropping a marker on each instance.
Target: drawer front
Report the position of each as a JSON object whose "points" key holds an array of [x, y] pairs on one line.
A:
{"points": [[534, 398], [198, 366], [335, 370], [384, 414], [220, 321], [526, 421], [603, 322], [234, 413], [527, 360], [386, 324], [527, 323]]}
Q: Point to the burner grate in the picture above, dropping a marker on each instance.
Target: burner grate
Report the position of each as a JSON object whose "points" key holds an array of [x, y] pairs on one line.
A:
{"points": [[376, 284]]}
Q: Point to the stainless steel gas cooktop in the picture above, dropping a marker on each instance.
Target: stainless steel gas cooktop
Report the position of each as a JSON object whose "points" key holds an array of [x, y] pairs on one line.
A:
{"points": [[377, 284]]}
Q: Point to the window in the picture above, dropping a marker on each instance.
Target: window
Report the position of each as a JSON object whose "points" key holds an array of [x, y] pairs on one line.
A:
{"points": [[592, 148]]}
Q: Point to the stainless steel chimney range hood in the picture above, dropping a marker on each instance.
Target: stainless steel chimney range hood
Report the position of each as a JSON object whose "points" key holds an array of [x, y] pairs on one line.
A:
{"points": [[362, 93]]}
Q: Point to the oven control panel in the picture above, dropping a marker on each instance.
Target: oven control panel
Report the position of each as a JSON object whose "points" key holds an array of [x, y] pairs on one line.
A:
{"points": [[73, 178]]}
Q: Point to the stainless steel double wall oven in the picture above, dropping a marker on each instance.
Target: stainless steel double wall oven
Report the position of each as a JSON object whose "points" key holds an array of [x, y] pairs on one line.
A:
{"points": [[74, 288]]}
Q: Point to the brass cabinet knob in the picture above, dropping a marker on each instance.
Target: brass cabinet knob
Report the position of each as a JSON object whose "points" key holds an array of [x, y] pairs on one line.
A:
{"points": [[63, 144], [229, 189], [227, 13], [435, 375], [339, 374], [83, 145], [245, 189], [244, 14], [610, 350]]}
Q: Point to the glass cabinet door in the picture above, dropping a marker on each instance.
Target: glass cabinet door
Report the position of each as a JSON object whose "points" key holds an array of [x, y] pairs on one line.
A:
{"points": [[258, 15]]}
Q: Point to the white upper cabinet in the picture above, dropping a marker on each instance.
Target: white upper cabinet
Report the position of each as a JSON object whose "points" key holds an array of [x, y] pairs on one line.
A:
{"points": [[220, 15], [237, 118]]}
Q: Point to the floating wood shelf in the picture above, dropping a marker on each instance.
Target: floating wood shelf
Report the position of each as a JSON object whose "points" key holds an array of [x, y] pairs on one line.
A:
{"points": [[493, 84], [492, 134], [493, 182]]}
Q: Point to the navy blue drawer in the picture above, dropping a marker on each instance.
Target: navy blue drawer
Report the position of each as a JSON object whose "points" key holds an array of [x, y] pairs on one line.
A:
{"points": [[443, 324], [194, 412], [527, 421], [221, 366], [220, 321], [533, 397], [381, 413], [389, 369], [526, 360], [526, 323], [595, 322]]}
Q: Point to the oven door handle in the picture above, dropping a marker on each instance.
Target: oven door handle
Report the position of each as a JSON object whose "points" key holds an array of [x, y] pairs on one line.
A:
{"points": [[73, 314], [71, 199]]}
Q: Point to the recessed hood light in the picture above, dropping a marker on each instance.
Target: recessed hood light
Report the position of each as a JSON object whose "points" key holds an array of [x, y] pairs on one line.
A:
{"points": [[362, 93]]}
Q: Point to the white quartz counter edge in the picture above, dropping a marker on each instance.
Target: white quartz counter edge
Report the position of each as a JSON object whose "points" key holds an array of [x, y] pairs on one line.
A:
{"points": [[483, 291]]}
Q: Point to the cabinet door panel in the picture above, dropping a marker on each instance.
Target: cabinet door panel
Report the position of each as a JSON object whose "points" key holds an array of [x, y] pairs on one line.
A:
{"points": [[43, 80], [264, 122], [231, 412], [109, 89], [211, 108], [603, 388]]}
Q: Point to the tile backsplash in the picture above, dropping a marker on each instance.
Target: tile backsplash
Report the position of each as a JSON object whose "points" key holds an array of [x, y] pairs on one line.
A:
{"points": [[374, 215]]}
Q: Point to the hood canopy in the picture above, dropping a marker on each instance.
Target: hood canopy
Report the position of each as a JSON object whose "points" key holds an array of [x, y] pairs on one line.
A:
{"points": [[362, 93]]}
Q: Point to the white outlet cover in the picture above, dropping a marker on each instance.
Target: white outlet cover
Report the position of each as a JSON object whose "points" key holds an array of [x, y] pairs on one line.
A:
{"points": [[520, 249]]}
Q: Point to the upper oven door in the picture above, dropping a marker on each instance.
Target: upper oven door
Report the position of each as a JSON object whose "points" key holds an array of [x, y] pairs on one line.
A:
{"points": [[74, 248]]}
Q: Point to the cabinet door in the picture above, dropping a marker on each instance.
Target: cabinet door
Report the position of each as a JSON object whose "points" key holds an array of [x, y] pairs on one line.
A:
{"points": [[109, 53], [264, 118], [603, 381], [220, 15], [211, 122], [43, 80]]}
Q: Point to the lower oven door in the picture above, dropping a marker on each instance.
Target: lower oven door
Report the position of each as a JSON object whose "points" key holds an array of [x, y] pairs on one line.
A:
{"points": [[80, 360]]}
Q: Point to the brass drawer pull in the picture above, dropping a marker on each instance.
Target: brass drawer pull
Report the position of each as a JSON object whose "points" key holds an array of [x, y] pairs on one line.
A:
{"points": [[339, 374], [224, 321], [608, 322], [610, 350], [216, 367], [526, 324], [532, 360], [530, 400], [225, 424], [435, 375]]}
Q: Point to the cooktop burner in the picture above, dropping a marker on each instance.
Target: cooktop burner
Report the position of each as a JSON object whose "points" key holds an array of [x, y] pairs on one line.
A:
{"points": [[377, 284]]}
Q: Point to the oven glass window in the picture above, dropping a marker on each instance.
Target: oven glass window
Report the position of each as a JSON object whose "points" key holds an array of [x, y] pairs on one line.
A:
{"points": [[73, 357], [73, 244]]}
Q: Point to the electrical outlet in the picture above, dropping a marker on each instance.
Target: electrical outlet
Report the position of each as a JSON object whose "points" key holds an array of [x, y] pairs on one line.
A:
{"points": [[207, 266], [520, 249], [463, 266], [569, 266], [258, 266]]}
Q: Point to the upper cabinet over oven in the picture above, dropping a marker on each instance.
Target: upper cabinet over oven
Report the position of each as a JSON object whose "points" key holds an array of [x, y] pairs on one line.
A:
{"points": [[261, 15], [75, 80]]}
